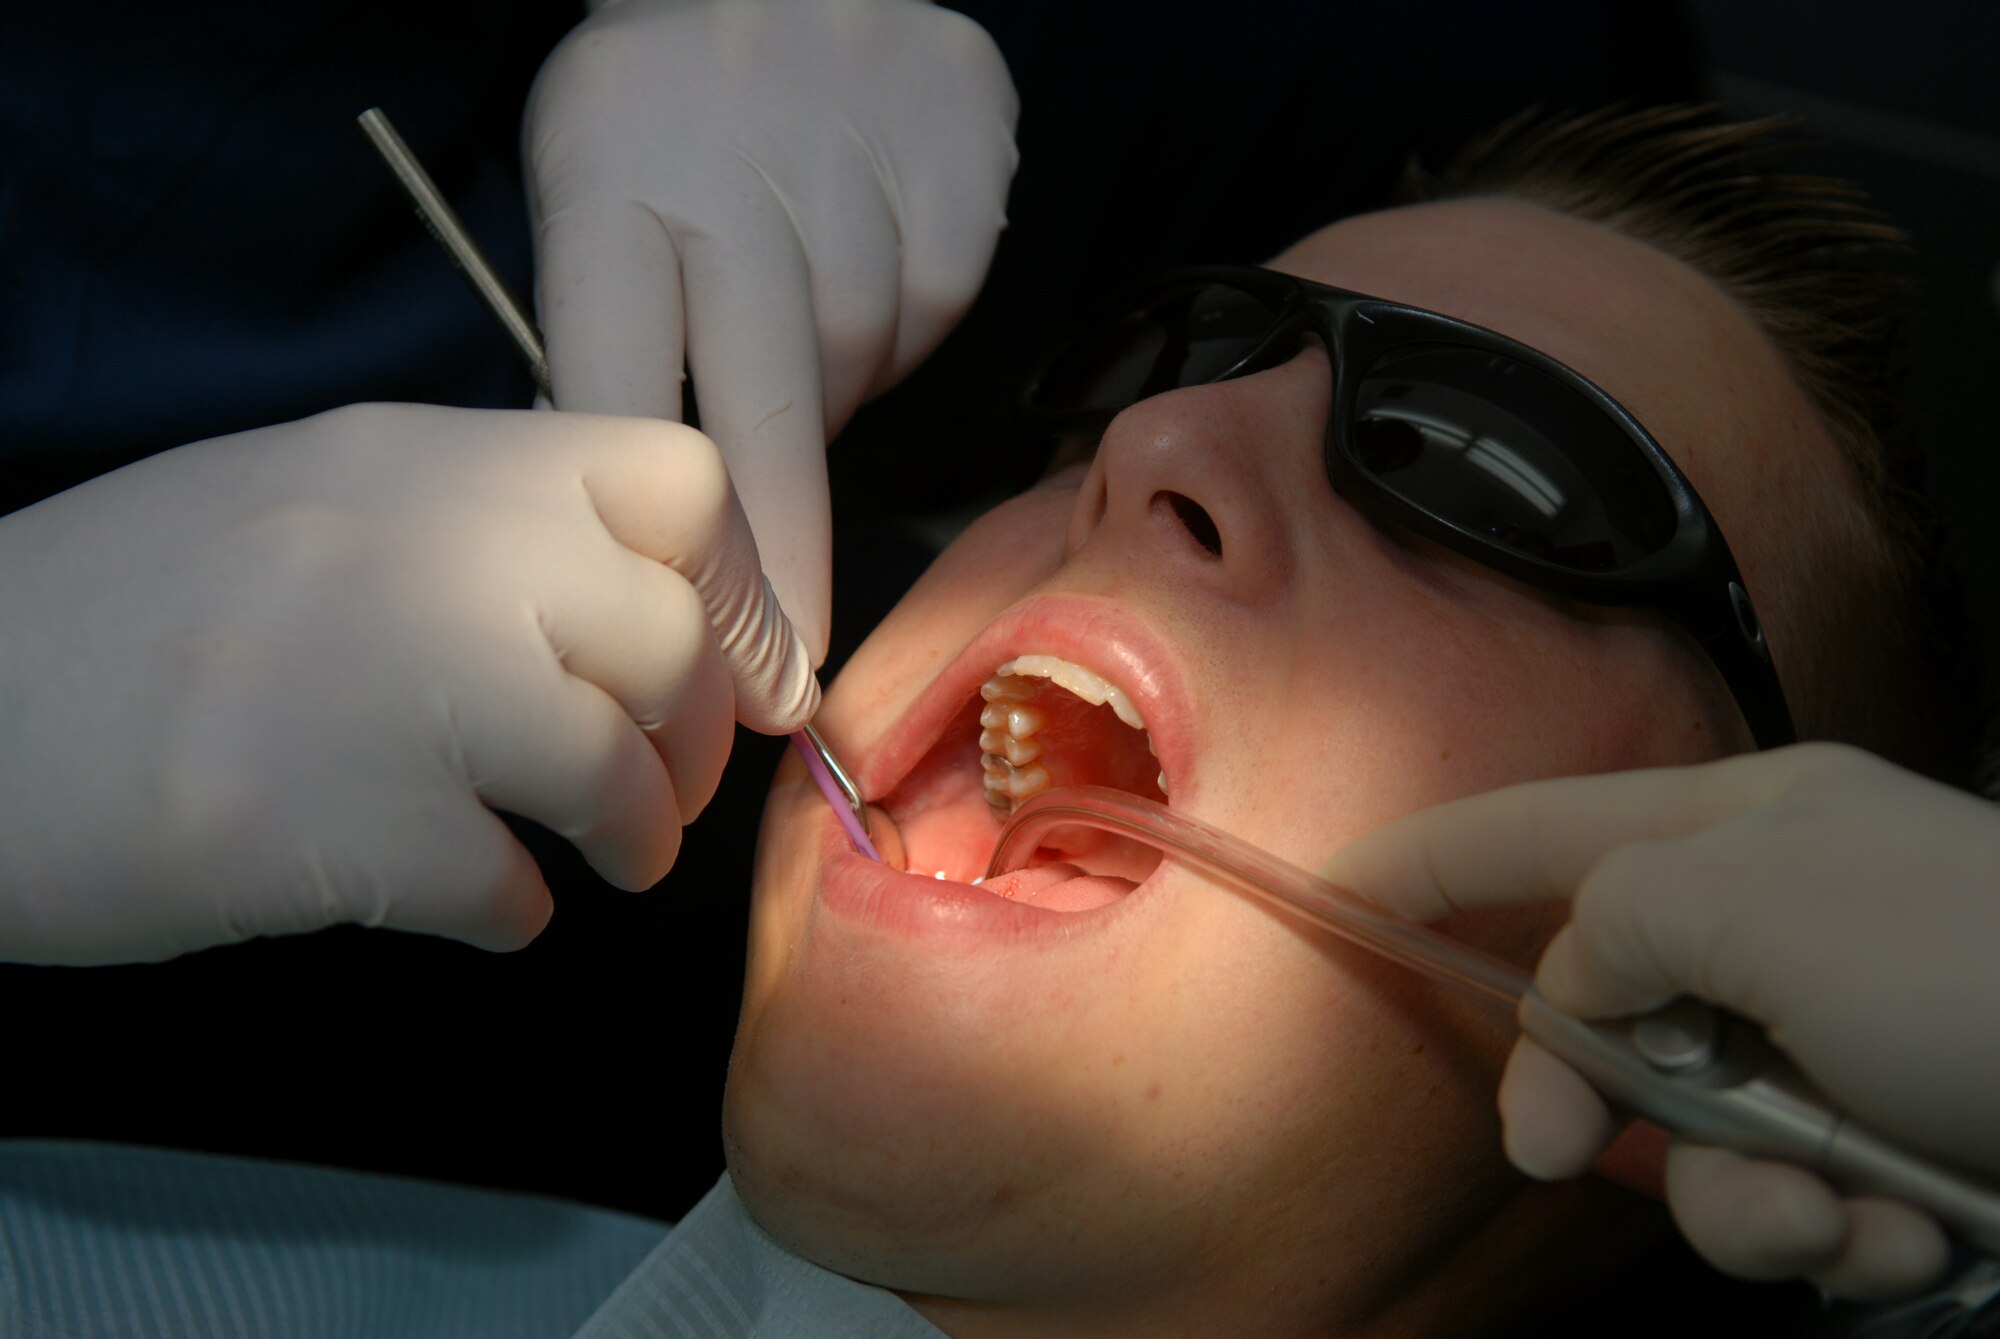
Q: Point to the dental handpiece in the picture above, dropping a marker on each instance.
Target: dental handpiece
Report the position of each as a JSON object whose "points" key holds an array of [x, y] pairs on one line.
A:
{"points": [[443, 222], [1697, 1071]]}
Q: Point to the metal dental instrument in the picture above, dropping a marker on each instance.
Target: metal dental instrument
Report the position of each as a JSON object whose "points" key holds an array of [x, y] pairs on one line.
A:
{"points": [[442, 221], [837, 786], [1697, 1071]]}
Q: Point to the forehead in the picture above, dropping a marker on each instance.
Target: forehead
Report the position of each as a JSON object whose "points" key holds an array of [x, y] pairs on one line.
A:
{"points": [[1658, 336]]}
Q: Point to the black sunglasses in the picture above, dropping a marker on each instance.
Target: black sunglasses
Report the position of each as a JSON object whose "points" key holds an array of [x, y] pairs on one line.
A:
{"points": [[1460, 434]]}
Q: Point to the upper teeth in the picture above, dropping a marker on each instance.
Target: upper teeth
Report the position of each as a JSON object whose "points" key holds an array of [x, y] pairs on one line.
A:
{"points": [[1008, 725], [1089, 685]]}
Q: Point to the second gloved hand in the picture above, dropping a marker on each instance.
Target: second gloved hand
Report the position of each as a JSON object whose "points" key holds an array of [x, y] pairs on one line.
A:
{"points": [[275, 681], [800, 197], [1848, 906]]}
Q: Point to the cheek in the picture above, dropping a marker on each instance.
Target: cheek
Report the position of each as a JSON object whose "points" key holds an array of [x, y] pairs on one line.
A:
{"points": [[1432, 700]]}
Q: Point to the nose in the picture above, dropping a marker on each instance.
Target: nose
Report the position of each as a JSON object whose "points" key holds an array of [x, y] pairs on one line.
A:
{"points": [[1220, 484]]}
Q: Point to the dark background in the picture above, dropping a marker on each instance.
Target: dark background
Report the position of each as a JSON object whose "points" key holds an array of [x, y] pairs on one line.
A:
{"points": [[590, 1064], [1901, 99]]}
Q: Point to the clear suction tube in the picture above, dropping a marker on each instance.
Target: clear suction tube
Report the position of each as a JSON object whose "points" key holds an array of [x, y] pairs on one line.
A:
{"points": [[1243, 867], [1687, 1067]]}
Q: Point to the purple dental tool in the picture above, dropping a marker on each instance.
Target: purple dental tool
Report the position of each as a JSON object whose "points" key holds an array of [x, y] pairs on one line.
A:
{"points": [[838, 788]]}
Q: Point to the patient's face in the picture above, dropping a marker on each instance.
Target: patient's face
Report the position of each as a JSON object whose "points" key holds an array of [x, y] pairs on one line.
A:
{"points": [[1094, 1100]]}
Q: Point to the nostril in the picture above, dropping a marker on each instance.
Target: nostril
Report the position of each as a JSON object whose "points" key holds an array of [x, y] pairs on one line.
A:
{"points": [[1194, 518]]}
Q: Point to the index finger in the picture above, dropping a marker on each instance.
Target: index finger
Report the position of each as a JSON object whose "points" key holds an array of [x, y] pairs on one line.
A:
{"points": [[1538, 841]]}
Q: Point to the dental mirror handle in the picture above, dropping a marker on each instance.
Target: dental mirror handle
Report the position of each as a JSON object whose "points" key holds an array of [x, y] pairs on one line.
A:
{"points": [[837, 787], [1712, 1077]]}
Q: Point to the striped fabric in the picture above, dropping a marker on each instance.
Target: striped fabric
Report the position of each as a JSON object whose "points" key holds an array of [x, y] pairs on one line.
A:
{"points": [[99, 1241], [720, 1275]]}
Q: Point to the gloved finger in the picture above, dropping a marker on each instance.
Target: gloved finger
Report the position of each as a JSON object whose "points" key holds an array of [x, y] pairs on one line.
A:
{"points": [[1537, 842], [949, 240], [1752, 1218], [1655, 920], [458, 873], [1631, 957], [950, 230], [1554, 1124], [853, 215], [664, 492], [537, 741], [639, 631], [608, 285], [1892, 1250], [754, 353]]}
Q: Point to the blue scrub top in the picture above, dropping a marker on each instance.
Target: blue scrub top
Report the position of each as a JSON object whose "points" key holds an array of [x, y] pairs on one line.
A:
{"points": [[195, 238]]}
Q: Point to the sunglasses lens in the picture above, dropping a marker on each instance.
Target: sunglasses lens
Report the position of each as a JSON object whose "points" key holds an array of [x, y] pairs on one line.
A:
{"points": [[1184, 335], [1507, 453]]}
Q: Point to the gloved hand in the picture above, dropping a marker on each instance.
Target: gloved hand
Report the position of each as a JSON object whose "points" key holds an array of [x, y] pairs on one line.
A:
{"points": [[801, 195], [274, 681], [1850, 907]]}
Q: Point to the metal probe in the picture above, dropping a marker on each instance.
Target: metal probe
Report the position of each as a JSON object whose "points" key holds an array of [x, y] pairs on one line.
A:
{"points": [[443, 223], [848, 790]]}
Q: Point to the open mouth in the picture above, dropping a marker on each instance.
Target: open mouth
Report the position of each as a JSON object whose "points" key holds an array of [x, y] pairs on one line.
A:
{"points": [[1038, 721]]}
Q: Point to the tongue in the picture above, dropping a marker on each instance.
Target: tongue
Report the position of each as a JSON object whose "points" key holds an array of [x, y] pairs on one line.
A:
{"points": [[1058, 887]]}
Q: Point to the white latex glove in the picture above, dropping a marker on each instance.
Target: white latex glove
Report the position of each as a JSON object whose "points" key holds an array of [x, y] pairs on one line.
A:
{"points": [[1849, 906], [275, 681], [801, 196]]}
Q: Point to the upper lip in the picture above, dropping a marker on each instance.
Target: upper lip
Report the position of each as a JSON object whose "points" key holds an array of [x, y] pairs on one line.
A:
{"points": [[1090, 632]]}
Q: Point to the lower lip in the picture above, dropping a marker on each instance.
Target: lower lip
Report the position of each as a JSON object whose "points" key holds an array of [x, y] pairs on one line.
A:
{"points": [[938, 911]]}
